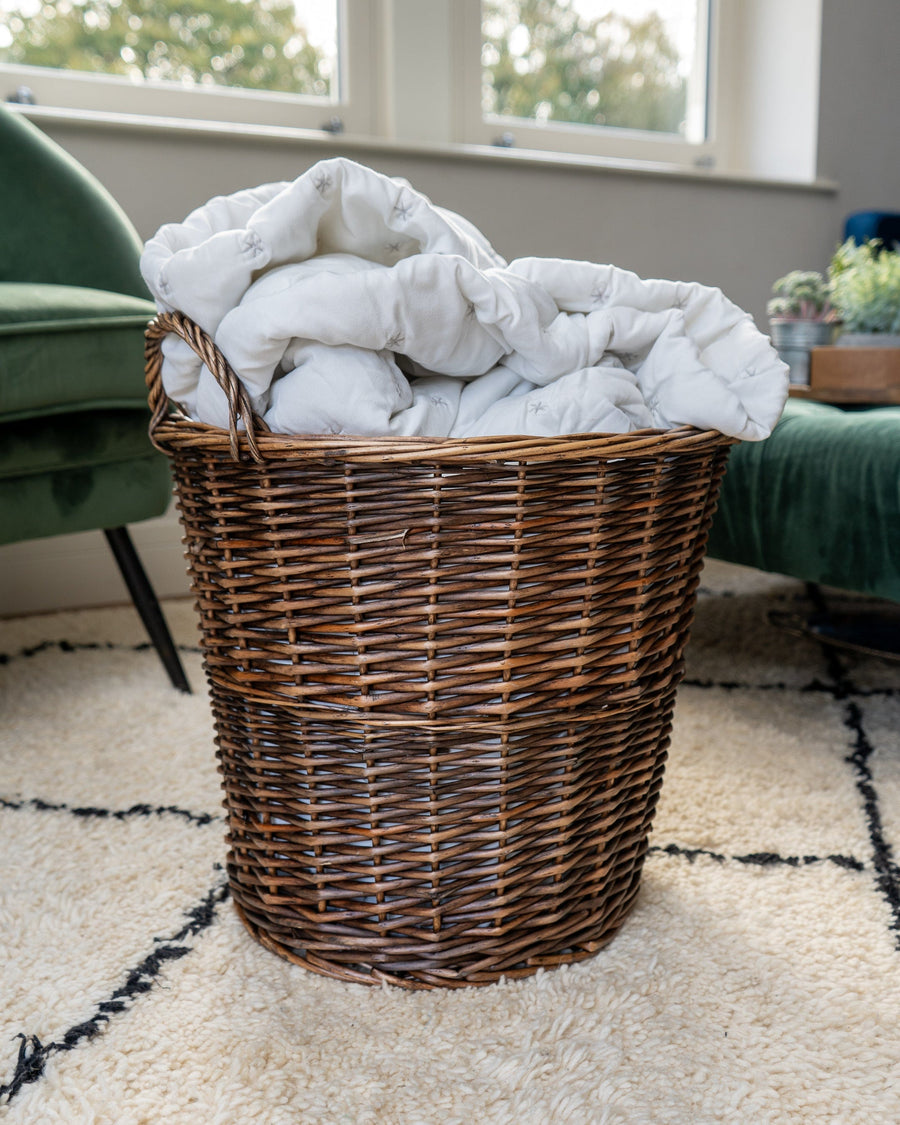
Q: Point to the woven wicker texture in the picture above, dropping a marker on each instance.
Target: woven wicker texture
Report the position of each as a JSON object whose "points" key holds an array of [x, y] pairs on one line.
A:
{"points": [[442, 675]]}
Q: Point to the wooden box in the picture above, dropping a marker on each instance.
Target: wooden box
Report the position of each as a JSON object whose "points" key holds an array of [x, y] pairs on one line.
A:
{"points": [[861, 375]]}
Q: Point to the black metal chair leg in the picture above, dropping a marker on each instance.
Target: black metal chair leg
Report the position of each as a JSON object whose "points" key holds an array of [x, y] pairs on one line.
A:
{"points": [[871, 631], [146, 603]]}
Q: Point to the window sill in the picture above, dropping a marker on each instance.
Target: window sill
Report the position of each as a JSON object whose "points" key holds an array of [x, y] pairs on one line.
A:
{"points": [[349, 144]]}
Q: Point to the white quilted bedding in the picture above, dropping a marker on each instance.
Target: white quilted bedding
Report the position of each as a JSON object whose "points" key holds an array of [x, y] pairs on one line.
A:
{"points": [[348, 303]]}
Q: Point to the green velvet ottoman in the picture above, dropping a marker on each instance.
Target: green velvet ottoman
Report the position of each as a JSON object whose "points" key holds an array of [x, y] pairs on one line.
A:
{"points": [[818, 500]]}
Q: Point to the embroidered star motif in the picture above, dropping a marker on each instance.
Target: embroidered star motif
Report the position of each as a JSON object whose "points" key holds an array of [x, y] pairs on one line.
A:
{"points": [[598, 294], [394, 341], [439, 400], [322, 182], [393, 247], [402, 209], [537, 407], [252, 243], [470, 310]]}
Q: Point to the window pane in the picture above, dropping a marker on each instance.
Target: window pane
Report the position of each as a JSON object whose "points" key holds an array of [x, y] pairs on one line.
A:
{"points": [[628, 65], [288, 46]]}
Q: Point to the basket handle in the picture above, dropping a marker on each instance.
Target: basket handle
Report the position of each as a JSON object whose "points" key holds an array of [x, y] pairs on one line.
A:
{"points": [[239, 408]]}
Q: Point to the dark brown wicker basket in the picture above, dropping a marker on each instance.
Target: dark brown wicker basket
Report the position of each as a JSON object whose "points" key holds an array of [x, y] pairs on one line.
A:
{"points": [[442, 674]]}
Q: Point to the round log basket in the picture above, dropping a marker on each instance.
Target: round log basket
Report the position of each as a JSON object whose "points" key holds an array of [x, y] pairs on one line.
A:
{"points": [[442, 675]]}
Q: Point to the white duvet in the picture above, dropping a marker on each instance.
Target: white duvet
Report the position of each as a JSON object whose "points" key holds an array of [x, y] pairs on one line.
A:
{"points": [[348, 303]]}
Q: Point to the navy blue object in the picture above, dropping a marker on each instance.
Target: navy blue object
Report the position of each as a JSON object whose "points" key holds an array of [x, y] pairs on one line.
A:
{"points": [[862, 225]]}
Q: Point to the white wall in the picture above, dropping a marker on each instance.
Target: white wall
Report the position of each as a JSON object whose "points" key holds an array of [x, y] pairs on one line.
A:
{"points": [[734, 235], [731, 234], [772, 119]]}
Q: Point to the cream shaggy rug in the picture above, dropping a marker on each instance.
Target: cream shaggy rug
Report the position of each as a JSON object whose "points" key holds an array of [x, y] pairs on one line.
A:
{"points": [[758, 979]]}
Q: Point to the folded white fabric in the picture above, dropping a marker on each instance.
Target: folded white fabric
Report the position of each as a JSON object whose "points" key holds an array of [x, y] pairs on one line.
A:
{"points": [[348, 303]]}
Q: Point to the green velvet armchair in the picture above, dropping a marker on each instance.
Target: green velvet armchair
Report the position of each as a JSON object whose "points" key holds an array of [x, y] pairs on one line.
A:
{"points": [[74, 450]]}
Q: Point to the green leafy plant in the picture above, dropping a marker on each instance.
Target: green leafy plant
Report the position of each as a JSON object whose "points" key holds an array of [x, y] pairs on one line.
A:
{"points": [[801, 295], [865, 286]]}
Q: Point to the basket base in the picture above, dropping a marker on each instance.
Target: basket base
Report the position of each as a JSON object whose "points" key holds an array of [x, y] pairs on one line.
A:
{"points": [[357, 970]]}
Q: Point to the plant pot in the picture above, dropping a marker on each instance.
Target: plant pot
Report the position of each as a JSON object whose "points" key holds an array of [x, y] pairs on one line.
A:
{"points": [[793, 340]]}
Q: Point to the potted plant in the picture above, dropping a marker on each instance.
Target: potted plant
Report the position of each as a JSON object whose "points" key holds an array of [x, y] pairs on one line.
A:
{"points": [[864, 288], [801, 317], [865, 291]]}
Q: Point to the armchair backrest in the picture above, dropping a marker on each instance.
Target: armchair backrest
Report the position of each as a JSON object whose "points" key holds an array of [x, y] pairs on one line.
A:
{"points": [[58, 224]]}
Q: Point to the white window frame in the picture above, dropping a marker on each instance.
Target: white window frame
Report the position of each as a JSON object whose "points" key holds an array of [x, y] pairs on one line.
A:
{"points": [[619, 144], [354, 103], [410, 78]]}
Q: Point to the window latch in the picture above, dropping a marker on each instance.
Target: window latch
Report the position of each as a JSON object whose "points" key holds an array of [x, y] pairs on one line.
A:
{"points": [[23, 95]]}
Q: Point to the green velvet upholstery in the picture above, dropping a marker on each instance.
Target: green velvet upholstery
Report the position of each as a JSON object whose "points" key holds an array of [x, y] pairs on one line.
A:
{"points": [[58, 476], [64, 348], [60, 226], [818, 500], [74, 450]]}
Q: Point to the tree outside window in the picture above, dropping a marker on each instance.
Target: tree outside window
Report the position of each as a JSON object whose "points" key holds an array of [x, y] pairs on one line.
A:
{"points": [[251, 44], [618, 65]]}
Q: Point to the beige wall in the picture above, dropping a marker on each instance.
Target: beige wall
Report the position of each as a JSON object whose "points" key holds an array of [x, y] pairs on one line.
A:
{"points": [[730, 234], [725, 233]]}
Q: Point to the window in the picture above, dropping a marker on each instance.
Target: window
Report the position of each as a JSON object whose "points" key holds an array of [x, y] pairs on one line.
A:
{"points": [[226, 43], [677, 83], [253, 61], [590, 73], [637, 65]]}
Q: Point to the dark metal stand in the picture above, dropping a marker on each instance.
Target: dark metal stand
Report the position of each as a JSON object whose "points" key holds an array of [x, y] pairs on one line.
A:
{"points": [[871, 632], [146, 603]]}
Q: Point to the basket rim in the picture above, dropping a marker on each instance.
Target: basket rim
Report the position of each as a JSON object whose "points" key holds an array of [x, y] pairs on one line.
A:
{"points": [[177, 433]]}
